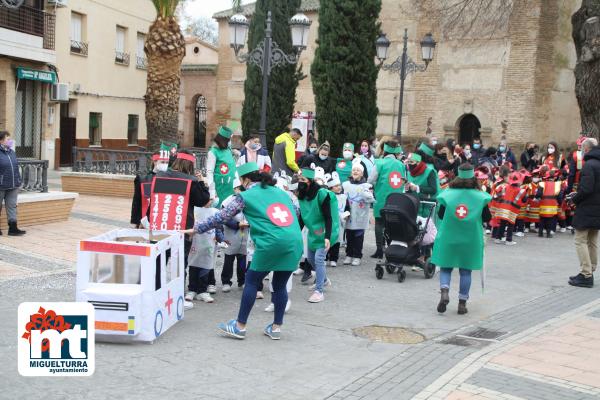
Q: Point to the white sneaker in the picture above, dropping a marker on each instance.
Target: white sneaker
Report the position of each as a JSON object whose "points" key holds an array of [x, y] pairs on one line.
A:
{"points": [[487, 231], [212, 289], [356, 262], [520, 234], [511, 243], [270, 308], [299, 271], [333, 263], [260, 295], [205, 297], [288, 305], [188, 305], [497, 241], [316, 297], [569, 228], [325, 284], [226, 288], [552, 233], [189, 296], [416, 269], [347, 260], [504, 239], [526, 230], [563, 230]]}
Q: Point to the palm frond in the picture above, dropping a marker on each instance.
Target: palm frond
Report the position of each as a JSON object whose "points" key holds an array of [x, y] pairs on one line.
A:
{"points": [[165, 8], [236, 5]]}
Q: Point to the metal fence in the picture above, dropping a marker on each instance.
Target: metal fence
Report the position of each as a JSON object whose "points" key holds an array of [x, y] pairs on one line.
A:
{"points": [[120, 162], [34, 174], [31, 21]]}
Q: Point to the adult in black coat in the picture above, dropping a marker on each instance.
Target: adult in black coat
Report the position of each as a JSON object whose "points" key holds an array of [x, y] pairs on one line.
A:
{"points": [[587, 214]]}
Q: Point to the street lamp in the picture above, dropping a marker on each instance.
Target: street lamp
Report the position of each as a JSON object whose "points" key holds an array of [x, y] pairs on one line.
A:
{"points": [[267, 55], [404, 65]]}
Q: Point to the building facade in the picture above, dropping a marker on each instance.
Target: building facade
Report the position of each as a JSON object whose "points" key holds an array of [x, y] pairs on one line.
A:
{"points": [[518, 85], [100, 55], [198, 93], [27, 59]]}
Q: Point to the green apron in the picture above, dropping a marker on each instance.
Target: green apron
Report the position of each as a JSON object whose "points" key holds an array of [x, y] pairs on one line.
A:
{"points": [[459, 242], [314, 221], [344, 168], [274, 229], [224, 173], [421, 180], [391, 178]]}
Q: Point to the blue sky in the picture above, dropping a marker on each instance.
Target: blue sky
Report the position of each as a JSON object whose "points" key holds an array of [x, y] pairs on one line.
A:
{"points": [[208, 7]]}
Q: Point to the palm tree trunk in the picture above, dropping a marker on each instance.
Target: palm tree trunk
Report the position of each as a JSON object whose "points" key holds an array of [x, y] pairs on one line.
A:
{"points": [[165, 49]]}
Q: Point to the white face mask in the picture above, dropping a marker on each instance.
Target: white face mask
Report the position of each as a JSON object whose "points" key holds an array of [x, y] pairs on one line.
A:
{"points": [[162, 167], [536, 180], [467, 153], [347, 154], [550, 150], [434, 142], [322, 157]]}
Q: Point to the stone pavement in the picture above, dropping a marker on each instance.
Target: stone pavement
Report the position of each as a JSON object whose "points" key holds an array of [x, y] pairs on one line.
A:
{"points": [[527, 337]]}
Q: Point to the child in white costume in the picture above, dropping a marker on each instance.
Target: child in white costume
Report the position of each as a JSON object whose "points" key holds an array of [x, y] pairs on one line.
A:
{"points": [[201, 260], [236, 236], [334, 185]]}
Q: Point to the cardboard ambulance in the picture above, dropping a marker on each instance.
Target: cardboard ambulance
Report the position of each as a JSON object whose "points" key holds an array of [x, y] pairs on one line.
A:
{"points": [[135, 281]]}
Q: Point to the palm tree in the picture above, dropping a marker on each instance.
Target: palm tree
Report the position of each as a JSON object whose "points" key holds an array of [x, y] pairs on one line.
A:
{"points": [[165, 49]]}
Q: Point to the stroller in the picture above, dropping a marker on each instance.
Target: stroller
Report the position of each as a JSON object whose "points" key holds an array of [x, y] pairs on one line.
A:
{"points": [[404, 235]]}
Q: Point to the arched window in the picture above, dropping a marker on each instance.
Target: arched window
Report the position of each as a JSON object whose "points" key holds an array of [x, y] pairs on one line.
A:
{"points": [[200, 122], [469, 127]]}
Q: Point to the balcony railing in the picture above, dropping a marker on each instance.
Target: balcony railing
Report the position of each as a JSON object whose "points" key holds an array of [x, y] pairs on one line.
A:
{"points": [[31, 21], [80, 48], [140, 62], [120, 162], [121, 58], [34, 174]]}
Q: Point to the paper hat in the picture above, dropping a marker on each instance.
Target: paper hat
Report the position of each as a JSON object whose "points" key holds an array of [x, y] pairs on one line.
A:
{"points": [[187, 157], [524, 173], [581, 140], [247, 168], [466, 173], [425, 149], [308, 173], [348, 146], [225, 132], [168, 146], [415, 157], [334, 180], [392, 150], [515, 177], [161, 156]]}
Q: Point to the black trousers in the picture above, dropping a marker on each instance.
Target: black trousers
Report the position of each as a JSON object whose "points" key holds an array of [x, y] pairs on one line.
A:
{"points": [[334, 252], [305, 266], [520, 225], [227, 272], [507, 227], [354, 242], [548, 224]]}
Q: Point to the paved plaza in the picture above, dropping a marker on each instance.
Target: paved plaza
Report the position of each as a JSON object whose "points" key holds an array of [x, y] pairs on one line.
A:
{"points": [[529, 335]]}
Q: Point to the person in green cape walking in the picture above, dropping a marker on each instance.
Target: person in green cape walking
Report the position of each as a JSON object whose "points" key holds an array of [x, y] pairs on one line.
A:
{"points": [[387, 177], [220, 167], [271, 216], [319, 213], [463, 209]]}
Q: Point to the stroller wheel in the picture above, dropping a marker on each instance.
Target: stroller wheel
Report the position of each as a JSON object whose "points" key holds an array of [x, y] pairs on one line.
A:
{"points": [[429, 270], [378, 272], [401, 275], [390, 269]]}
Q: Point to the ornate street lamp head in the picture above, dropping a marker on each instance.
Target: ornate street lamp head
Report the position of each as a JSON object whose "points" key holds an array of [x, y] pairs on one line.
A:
{"points": [[382, 44], [238, 29], [427, 48], [300, 25]]}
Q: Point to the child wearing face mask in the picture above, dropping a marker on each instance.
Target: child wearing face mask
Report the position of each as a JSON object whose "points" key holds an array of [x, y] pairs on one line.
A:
{"points": [[311, 150], [142, 185], [335, 186], [553, 159], [343, 165], [254, 152]]}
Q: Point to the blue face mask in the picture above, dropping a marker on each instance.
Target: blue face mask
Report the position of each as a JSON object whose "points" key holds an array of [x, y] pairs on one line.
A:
{"points": [[476, 146], [502, 149]]}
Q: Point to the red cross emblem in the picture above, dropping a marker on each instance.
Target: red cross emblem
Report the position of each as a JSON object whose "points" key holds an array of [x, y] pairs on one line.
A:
{"points": [[395, 180], [280, 215], [461, 211], [224, 168], [169, 302], [342, 164]]}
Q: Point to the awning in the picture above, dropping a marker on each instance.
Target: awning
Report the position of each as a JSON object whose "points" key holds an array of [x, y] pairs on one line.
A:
{"points": [[36, 75]]}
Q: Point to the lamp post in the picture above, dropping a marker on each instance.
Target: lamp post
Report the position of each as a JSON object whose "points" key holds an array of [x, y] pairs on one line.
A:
{"points": [[267, 55], [404, 65]]}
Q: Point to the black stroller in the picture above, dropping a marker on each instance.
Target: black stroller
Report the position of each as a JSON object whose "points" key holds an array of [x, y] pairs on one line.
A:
{"points": [[403, 236]]}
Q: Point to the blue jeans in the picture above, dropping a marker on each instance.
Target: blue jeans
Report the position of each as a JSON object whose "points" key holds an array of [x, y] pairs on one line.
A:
{"points": [[465, 281], [317, 260], [279, 296]]}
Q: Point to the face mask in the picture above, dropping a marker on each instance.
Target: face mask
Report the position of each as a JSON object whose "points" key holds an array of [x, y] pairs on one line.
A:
{"points": [[434, 142], [254, 146], [302, 187], [476, 146], [10, 143], [536, 180], [162, 167], [502, 149], [550, 150], [322, 157], [530, 151], [467, 153], [411, 167], [312, 150], [347, 154]]}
